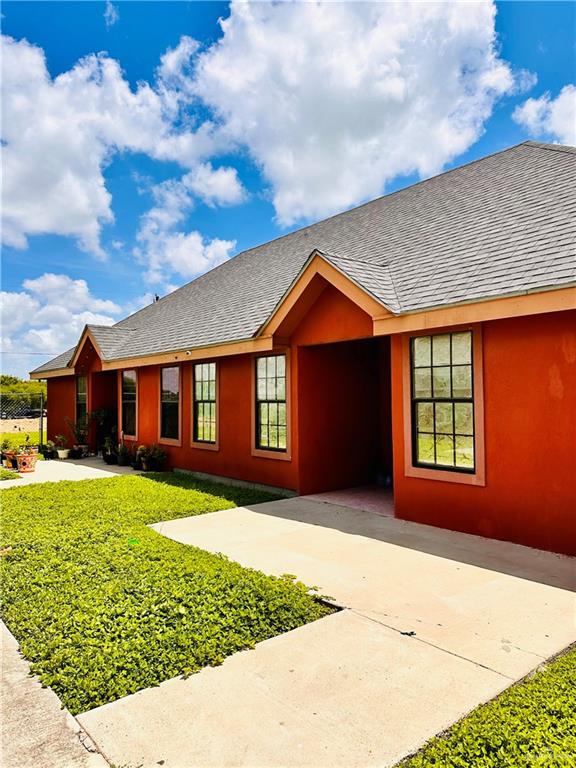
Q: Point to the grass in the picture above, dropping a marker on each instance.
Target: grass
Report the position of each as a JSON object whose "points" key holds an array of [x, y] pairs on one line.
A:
{"points": [[103, 606], [16, 439], [7, 474], [530, 725]]}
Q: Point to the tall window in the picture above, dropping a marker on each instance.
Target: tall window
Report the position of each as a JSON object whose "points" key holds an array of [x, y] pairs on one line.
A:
{"points": [[204, 430], [443, 401], [170, 403], [81, 400], [129, 403], [271, 403]]}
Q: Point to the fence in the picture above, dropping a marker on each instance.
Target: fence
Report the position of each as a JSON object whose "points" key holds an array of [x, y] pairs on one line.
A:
{"points": [[23, 412]]}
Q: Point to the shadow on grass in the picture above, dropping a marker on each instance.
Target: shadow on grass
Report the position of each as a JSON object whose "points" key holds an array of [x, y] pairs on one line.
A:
{"points": [[239, 495]]}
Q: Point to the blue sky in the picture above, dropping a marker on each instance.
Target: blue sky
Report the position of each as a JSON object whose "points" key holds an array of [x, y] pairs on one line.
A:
{"points": [[128, 174]]}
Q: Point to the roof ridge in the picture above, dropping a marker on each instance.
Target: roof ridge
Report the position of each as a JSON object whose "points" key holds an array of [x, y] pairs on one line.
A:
{"points": [[551, 147]]}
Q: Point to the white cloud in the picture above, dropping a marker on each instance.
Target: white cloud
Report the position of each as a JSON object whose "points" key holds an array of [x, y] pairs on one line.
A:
{"points": [[164, 249], [175, 65], [58, 135], [58, 336], [215, 187], [548, 117], [62, 290], [16, 308], [333, 100], [111, 14], [48, 316], [162, 245]]}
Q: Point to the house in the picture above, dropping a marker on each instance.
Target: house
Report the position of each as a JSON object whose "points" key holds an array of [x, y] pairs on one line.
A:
{"points": [[425, 341]]}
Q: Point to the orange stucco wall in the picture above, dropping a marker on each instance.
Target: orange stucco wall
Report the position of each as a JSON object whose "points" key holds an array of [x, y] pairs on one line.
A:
{"points": [[530, 434], [61, 404], [333, 317], [234, 457]]}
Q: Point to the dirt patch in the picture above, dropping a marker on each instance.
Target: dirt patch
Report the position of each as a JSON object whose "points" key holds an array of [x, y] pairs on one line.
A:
{"points": [[21, 425]]}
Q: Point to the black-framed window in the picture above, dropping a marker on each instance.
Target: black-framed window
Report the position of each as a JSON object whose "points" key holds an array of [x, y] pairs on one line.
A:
{"points": [[204, 429], [129, 403], [442, 375], [170, 403], [271, 427], [81, 400]]}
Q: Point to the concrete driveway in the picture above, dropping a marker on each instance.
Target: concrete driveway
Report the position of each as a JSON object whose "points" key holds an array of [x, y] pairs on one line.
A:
{"points": [[435, 623]]}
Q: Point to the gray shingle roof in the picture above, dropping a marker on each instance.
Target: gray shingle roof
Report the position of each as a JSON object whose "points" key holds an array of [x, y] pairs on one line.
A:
{"points": [[501, 225]]}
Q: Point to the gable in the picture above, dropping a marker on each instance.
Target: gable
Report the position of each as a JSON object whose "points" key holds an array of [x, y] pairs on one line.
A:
{"points": [[332, 317]]}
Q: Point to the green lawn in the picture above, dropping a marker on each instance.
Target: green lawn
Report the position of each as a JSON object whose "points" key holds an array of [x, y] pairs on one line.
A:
{"points": [[531, 725], [103, 606], [7, 474], [16, 439]]}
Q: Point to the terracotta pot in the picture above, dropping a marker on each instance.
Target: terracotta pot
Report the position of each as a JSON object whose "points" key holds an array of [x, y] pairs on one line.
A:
{"points": [[10, 459], [26, 462]]}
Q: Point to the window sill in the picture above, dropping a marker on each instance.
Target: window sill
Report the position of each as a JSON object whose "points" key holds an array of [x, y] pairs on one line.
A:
{"points": [[262, 453], [204, 446], [169, 441], [425, 473]]}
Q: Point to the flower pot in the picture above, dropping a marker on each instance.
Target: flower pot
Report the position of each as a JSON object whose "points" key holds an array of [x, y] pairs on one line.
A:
{"points": [[63, 453], [26, 462], [83, 450], [10, 459], [123, 461], [110, 458]]}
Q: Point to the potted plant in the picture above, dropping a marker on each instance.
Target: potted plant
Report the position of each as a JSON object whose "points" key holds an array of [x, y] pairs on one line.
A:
{"points": [[48, 450], [124, 455], [7, 454], [156, 458], [79, 429], [143, 455], [26, 460], [109, 452], [137, 460], [104, 422], [61, 449]]}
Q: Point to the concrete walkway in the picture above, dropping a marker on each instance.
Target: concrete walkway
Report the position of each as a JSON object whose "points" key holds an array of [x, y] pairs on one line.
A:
{"points": [[36, 732], [69, 469], [435, 623]]}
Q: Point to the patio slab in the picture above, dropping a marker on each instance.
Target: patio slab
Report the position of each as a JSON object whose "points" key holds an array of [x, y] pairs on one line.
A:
{"points": [[53, 471], [434, 624]]}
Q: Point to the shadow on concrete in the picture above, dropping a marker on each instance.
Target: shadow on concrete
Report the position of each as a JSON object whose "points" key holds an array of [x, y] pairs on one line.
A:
{"points": [[500, 556]]}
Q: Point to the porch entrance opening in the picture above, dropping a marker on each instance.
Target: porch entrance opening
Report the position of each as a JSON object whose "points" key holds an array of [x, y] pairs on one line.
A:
{"points": [[103, 405], [345, 422]]}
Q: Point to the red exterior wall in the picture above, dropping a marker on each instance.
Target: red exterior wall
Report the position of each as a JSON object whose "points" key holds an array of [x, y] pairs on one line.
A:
{"points": [[332, 318], [234, 457], [61, 404], [529, 411]]}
